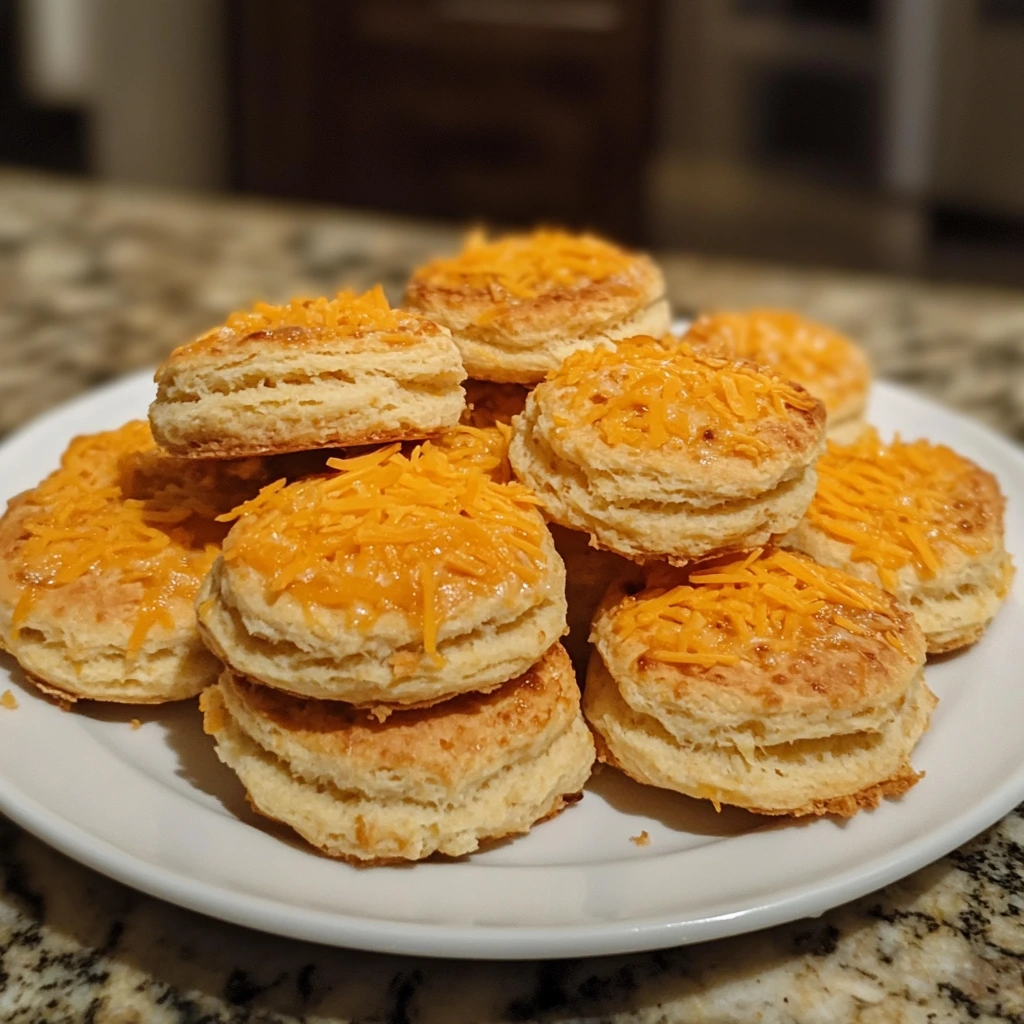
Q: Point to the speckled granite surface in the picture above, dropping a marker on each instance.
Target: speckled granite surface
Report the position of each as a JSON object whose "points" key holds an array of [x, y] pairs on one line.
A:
{"points": [[97, 282]]}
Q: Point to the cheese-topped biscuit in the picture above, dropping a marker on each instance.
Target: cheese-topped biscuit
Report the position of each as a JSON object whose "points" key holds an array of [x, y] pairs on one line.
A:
{"points": [[762, 680], [396, 580], [518, 305], [443, 779], [100, 563], [919, 520], [313, 373], [827, 364], [660, 453]]}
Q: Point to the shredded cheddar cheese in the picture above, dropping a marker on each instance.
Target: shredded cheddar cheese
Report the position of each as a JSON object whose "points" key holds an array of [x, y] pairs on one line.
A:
{"points": [[117, 506], [347, 315], [748, 606], [822, 360], [647, 393], [482, 448], [896, 504], [517, 268], [421, 534]]}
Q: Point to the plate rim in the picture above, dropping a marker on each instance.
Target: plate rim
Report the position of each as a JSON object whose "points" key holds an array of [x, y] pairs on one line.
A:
{"points": [[488, 941]]}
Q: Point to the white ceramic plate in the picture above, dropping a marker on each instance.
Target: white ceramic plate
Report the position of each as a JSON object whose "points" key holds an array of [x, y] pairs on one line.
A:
{"points": [[154, 808]]}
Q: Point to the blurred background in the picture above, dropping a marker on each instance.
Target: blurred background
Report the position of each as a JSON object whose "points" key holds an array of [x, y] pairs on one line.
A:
{"points": [[876, 134]]}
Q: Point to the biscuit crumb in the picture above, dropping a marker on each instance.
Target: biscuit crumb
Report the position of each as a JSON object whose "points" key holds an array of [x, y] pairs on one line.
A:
{"points": [[641, 840], [9, 701], [136, 724]]}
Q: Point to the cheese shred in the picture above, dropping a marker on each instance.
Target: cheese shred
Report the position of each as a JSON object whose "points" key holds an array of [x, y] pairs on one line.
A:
{"points": [[896, 505], [347, 315], [118, 509], [751, 605], [423, 534], [647, 392]]}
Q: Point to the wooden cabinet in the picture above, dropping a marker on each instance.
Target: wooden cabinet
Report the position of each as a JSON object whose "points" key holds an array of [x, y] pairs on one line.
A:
{"points": [[512, 111]]}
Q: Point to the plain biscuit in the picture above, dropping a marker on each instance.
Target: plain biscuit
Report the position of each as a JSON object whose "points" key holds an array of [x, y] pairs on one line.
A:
{"points": [[441, 780], [659, 453], [518, 305], [315, 373]]}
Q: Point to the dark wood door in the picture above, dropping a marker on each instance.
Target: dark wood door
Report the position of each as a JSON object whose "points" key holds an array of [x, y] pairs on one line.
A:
{"points": [[512, 111]]}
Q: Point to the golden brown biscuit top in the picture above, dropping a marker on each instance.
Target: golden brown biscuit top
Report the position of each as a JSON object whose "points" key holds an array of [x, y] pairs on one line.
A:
{"points": [[353, 318], [422, 535], [441, 741], [488, 403], [828, 365], [753, 608], [117, 504], [515, 268], [905, 504], [652, 394]]}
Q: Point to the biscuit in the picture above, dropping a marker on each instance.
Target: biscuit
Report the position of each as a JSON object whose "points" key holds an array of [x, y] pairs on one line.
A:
{"points": [[517, 306], [315, 373], [445, 779], [589, 572], [100, 564], [828, 365], [660, 453], [761, 680], [488, 404], [918, 520], [398, 580]]}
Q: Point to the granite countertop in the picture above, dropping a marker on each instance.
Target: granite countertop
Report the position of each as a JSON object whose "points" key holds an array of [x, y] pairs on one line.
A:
{"points": [[95, 282]]}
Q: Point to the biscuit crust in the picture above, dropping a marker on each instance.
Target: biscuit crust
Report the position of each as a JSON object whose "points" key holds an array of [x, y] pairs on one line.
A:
{"points": [[841, 682], [516, 310], [301, 382], [407, 580], [684, 498], [100, 564], [838, 775], [760, 680], [827, 364], [440, 780], [957, 592]]}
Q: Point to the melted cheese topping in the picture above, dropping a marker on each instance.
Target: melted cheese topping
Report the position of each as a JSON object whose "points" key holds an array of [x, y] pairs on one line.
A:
{"points": [[420, 535], [481, 448], [647, 393], [347, 315], [751, 606], [118, 508], [829, 365], [897, 504], [518, 268]]}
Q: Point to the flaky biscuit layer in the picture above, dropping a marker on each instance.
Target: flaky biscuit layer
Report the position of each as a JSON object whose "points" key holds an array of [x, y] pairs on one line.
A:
{"points": [[279, 397], [441, 780], [825, 775]]}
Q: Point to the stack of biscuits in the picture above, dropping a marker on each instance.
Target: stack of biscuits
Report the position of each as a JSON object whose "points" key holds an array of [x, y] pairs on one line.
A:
{"points": [[365, 563], [393, 683]]}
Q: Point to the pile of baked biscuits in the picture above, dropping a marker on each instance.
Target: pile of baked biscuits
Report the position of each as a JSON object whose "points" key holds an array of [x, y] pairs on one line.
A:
{"points": [[365, 563]]}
